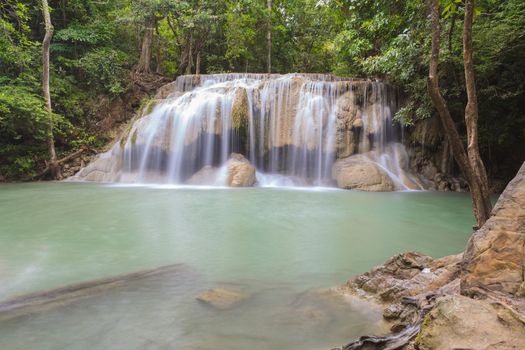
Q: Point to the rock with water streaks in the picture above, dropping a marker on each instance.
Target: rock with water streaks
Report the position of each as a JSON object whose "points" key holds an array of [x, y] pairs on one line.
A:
{"points": [[358, 173], [206, 176], [240, 172]]}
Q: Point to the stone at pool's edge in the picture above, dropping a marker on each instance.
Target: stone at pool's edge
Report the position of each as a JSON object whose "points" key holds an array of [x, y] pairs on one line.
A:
{"points": [[491, 273]]}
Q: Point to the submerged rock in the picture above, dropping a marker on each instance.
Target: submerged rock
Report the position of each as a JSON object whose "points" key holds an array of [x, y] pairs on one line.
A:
{"points": [[358, 173], [221, 298], [241, 173]]}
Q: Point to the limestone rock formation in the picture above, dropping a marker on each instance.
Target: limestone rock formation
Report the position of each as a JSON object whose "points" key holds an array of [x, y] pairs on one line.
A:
{"points": [[404, 275], [207, 175], [495, 254], [473, 300], [240, 172], [221, 298], [458, 322], [359, 173], [431, 156], [105, 168], [295, 124], [240, 112]]}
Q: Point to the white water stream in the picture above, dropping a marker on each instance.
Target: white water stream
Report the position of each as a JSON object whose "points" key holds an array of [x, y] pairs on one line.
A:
{"points": [[292, 128]]}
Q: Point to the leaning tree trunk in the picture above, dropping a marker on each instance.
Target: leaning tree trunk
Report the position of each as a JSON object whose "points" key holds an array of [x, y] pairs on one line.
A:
{"points": [[269, 36], [144, 65], [482, 200], [53, 163], [451, 133]]}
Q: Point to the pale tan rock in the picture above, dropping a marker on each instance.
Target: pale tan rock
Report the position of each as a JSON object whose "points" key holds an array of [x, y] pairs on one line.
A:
{"points": [[221, 298], [360, 174], [458, 322], [357, 124], [495, 254], [105, 167], [207, 175], [347, 116], [240, 172]]}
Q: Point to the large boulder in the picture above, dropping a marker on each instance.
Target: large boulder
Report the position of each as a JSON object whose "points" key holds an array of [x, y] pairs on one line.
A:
{"points": [[208, 175], [359, 173], [458, 322], [240, 172], [495, 254]]}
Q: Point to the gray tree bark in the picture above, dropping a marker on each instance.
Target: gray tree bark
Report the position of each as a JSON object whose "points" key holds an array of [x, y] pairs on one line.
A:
{"points": [[269, 36], [481, 211], [53, 163], [482, 200], [144, 65]]}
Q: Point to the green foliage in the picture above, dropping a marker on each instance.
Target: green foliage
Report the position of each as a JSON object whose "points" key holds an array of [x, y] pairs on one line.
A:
{"points": [[242, 20], [104, 68], [97, 44]]}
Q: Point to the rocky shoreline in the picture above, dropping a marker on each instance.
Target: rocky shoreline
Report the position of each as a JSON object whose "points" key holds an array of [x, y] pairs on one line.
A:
{"points": [[472, 300]]}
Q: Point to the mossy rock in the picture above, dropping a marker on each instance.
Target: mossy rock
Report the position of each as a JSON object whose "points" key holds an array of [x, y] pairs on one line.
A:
{"points": [[134, 137], [240, 110]]}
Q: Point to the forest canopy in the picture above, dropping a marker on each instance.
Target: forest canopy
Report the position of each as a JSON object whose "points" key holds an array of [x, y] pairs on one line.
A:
{"points": [[98, 48]]}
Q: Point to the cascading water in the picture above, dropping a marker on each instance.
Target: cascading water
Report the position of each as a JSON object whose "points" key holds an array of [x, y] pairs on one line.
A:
{"points": [[292, 128]]}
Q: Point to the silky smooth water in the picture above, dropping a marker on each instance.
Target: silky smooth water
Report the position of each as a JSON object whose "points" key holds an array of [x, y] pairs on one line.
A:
{"points": [[291, 127], [275, 244]]}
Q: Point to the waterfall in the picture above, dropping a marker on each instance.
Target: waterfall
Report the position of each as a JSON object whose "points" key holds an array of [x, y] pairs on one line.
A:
{"points": [[292, 128]]}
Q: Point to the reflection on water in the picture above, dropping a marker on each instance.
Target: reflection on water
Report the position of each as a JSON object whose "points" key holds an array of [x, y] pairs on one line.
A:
{"points": [[275, 245]]}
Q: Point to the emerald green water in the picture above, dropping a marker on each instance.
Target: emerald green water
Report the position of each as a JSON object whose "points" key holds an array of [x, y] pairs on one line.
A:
{"points": [[273, 243]]}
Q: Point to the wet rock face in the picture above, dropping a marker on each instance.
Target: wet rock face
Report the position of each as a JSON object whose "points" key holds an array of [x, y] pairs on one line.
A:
{"points": [[495, 254], [458, 322], [207, 175], [241, 173], [431, 156], [104, 169], [405, 275], [240, 110], [360, 174], [403, 283]]}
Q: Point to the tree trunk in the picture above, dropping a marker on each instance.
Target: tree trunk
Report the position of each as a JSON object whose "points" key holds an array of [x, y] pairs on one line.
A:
{"points": [[198, 63], [269, 36], [53, 164], [483, 205], [144, 65], [190, 54], [451, 133], [158, 57], [183, 63]]}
